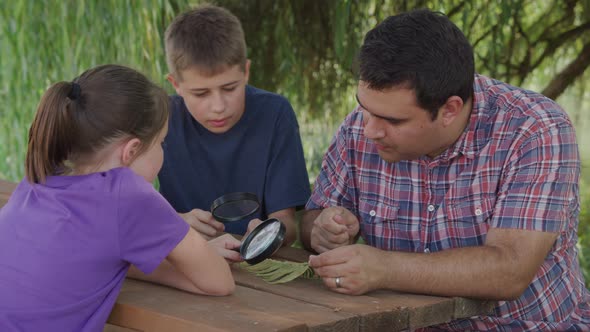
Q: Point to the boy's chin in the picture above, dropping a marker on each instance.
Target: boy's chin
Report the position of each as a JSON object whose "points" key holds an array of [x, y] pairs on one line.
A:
{"points": [[219, 130]]}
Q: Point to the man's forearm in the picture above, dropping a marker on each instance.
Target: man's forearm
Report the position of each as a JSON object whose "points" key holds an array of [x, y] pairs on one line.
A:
{"points": [[479, 272]]}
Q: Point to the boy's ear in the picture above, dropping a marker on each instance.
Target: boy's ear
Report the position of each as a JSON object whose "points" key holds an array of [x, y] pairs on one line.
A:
{"points": [[174, 83], [451, 110], [247, 70], [130, 151]]}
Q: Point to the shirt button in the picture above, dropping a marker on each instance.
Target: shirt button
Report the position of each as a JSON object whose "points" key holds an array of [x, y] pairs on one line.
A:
{"points": [[478, 212], [430, 207], [372, 213]]}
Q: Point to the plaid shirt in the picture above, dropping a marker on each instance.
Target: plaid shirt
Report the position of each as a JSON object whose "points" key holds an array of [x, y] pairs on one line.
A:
{"points": [[516, 165]]}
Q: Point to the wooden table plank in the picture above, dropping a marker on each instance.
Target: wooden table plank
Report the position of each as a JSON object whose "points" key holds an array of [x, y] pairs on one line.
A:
{"points": [[430, 312], [292, 254], [143, 305], [114, 328], [468, 307], [396, 311], [148, 320]]}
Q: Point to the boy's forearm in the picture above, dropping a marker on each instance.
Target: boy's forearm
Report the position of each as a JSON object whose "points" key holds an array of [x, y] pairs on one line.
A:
{"points": [[287, 217], [307, 220]]}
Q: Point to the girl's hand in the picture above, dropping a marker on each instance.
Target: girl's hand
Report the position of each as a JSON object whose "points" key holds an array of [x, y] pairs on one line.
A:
{"points": [[226, 246]]}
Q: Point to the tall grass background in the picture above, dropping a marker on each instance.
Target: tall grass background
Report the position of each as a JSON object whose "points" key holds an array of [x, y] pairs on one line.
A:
{"points": [[43, 42]]}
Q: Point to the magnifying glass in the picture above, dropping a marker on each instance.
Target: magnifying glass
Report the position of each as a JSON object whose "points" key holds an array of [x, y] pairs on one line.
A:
{"points": [[234, 206], [264, 240]]}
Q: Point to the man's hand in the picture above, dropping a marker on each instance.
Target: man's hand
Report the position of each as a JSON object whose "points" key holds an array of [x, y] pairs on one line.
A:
{"points": [[358, 266], [203, 222], [334, 227], [225, 246], [501, 269]]}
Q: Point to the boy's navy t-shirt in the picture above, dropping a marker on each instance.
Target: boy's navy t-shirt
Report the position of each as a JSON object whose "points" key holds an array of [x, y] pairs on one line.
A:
{"points": [[261, 154]]}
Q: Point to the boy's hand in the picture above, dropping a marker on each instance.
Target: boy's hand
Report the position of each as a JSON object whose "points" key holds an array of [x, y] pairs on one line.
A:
{"points": [[251, 225], [225, 246], [203, 222]]}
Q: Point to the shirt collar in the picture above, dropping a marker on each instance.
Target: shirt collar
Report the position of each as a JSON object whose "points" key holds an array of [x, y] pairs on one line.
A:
{"points": [[474, 136]]}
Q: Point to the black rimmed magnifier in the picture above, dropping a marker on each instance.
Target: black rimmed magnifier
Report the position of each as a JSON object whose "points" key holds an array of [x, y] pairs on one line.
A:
{"points": [[264, 240], [234, 206]]}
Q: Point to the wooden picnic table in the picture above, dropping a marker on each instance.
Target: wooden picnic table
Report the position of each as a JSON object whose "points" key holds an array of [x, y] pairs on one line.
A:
{"points": [[299, 305]]}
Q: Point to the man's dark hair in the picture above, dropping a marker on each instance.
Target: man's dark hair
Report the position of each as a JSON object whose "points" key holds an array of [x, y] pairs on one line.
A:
{"points": [[420, 50]]}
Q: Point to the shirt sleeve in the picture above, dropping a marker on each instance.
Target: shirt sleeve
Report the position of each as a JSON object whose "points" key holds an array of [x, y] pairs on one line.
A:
{"points": [[149, 229], [332, 186], [540, 189], [287, 182]]}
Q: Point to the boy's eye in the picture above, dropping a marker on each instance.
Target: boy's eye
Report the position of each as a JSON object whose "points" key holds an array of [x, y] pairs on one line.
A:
{"points": [[231, 88]]}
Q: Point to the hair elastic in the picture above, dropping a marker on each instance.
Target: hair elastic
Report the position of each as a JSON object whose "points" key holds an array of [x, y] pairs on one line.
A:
{"points": [[75, 92]]}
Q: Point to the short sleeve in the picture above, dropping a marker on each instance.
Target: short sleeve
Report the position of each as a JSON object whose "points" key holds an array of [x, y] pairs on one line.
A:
{"points": [[540, 189], [149, 229], [287, 182], [332, 184]]}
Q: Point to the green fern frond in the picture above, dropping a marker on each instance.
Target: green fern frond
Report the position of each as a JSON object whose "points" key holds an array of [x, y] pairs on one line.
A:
{"points": [[277, 272]]}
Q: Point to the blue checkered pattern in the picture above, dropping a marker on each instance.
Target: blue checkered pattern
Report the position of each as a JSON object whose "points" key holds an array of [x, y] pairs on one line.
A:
{"points": [[516, 165]]}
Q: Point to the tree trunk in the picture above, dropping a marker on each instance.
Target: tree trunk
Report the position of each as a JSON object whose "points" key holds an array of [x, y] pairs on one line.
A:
{"points": [[564, 79]]}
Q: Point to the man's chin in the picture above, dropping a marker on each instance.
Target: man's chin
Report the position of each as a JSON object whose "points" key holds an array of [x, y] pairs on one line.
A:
{"points": [[388, 157], [392, 158]]}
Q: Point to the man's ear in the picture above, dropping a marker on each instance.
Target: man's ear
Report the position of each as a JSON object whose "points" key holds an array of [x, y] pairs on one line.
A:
{"points": [[130, 151], [451, 110], [174, 83]]}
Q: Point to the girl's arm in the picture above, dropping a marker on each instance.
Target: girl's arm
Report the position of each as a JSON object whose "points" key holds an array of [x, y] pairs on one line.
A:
{"points": [[194, 266]]}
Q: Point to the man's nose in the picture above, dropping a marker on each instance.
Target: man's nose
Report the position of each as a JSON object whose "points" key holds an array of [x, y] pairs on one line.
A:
{"points": [[373, 129]]}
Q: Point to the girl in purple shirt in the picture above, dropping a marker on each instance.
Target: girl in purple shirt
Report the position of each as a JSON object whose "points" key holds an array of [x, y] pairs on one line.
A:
{"points": [[86, 214]]}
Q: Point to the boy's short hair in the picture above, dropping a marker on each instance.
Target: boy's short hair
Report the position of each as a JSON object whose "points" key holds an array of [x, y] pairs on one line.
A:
{"points": [[208, 37]]}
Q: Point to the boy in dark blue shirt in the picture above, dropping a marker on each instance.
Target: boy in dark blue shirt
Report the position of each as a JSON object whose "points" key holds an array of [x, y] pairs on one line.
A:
{"points": [[225, 136]]}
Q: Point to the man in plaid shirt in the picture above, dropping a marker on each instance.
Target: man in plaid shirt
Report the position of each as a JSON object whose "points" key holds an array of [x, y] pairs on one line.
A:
{"points": [[460, 185]]}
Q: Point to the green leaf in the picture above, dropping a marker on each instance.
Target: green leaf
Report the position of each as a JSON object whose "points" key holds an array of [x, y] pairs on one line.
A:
{"points": [[277, 272]]}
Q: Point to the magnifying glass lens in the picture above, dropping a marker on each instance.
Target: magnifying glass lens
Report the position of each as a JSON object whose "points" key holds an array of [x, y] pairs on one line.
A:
{"points": [[262, 240], [238, 208], [234, 206]]}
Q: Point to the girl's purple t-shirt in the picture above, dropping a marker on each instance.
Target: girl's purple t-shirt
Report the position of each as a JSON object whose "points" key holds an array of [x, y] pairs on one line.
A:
{"points": [[66, 246]]}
